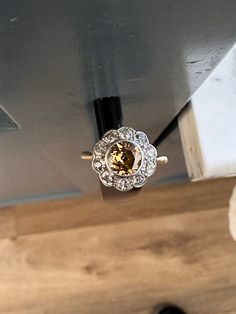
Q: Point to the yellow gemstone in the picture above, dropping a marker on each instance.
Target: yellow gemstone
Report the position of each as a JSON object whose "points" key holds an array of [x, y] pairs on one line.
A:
{"points": [[124, 158]]}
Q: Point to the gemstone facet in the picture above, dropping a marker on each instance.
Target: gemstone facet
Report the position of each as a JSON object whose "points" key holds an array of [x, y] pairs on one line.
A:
{"points": [[106, 178], [124, 184], [139, 181], [124, 158]]}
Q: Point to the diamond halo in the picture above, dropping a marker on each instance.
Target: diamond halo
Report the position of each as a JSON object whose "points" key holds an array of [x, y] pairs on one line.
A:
{"points": [[124, 159]]}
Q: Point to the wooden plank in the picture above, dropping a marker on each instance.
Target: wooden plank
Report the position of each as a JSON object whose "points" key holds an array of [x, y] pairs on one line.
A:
{"points": [[92, 210], [175, 247]]}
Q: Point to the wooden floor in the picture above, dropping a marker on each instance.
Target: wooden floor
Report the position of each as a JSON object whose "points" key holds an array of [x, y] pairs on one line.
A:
{"points": [[170, 244]]}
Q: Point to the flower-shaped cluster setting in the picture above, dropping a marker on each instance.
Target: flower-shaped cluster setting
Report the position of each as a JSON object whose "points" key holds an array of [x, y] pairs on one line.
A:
{"points": [[124, 159]]}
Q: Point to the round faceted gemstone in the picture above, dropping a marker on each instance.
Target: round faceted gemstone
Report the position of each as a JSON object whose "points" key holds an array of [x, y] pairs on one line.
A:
{"points": [[107, 178], [141, 138], [124, 158], [151, 151], [124, 184], [98, 164], [139, 181], [151, 167], [126, 133], [100, 148], [111, 136]]}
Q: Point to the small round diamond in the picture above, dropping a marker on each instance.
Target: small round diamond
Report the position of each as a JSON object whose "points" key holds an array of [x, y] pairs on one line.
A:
{"points": [[151, 167], [151, 151], [141, 138], [111, 136], [139, 181], [124, 184], [107, 178], [100, 148], [126, 133], [98, 164], [124, 158]]}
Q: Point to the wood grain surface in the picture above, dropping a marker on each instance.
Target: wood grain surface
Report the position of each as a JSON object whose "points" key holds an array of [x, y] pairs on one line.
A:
{"points": [[169, 244]]}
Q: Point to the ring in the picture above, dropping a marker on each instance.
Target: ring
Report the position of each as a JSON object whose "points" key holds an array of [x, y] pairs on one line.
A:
{"points": [[124, 159]]}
